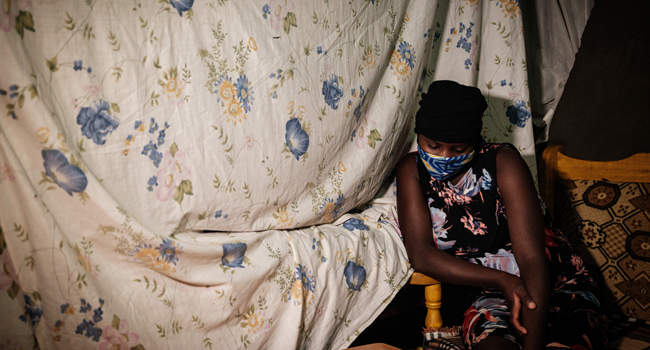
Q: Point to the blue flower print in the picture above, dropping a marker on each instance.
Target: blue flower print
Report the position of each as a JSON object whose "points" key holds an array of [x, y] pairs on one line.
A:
{"points": [[153, 127], [464, 44], [303, 275], [353, 224], [408, 54], [67, 176], [97, 317], [85, 307], [78, 65], [244, 92], [266, 11], [518, 114], [168, 251], [156, 157], [319, 50], [332, 91], [503, 82], [218, 214], [338, 205], [182, 5], [89, 70], [33, 312], [161, 137], [96, 122], [149, 148], [153, 181], [296, 138], [233, 254], [355, 275], [468, 63], [137, 124], [64, 307], [90, 330]]}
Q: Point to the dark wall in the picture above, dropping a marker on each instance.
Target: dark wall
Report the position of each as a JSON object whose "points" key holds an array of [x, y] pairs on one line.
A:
{"points": [[604, 112]]}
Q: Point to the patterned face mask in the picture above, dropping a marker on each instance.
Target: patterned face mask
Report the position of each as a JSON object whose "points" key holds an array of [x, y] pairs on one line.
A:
{"points": [[442, 168]]}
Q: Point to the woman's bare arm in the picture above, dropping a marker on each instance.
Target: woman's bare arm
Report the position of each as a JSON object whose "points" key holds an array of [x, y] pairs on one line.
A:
{"points": [[526, 225]]}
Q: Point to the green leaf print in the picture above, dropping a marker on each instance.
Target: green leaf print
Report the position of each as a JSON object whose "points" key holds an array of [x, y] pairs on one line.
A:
{"points": [[24, 21], [51, 64], [186, 186], [173, 149], [116, 322]]}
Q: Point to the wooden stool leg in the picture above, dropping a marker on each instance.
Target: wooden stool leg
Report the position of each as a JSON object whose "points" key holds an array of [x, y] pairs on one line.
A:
{"points": [[433, 298]]}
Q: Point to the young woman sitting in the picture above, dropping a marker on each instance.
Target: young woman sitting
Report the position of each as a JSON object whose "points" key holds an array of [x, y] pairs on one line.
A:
{"points": [[470, 215]]}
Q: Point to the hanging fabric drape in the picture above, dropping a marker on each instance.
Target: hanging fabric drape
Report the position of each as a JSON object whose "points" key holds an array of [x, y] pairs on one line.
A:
{"points": [[129, 129]]}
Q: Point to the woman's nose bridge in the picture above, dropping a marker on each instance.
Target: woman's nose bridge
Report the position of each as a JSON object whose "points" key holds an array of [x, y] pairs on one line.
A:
{"points": [[446, 152]]}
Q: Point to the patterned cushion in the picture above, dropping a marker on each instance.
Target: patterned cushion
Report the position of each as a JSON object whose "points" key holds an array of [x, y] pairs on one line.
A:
{"points": [[609, 224]]}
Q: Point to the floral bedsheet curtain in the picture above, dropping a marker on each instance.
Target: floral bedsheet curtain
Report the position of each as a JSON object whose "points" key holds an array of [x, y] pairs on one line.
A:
{"points": [[129, 129]]}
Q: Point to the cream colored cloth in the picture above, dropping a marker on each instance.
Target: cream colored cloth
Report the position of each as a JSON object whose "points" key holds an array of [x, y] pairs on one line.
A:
{"points": [[128, 128]]}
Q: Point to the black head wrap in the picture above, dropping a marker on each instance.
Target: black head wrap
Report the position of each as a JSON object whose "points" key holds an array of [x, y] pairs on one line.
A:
{"points": [[451, 112]]}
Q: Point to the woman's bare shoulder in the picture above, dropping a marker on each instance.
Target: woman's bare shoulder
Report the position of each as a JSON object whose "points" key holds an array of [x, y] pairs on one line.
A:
{"points": [[511, 163], [407, 166]]}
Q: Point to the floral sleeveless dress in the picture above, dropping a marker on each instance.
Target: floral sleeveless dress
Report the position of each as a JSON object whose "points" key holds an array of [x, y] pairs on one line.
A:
{"points": [[469, 222]]}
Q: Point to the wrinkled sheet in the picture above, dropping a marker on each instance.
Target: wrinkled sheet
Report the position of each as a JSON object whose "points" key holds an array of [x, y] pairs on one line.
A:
{"points": [[177, 174]]}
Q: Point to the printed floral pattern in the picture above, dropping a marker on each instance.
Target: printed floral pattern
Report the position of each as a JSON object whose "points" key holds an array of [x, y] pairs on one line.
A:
{"points": [[165, 137], [296, 138], [159, 258], [96, 122], [14, 14], [518, 114], [355, 224], [332, 92], [233, 254], [182, 5], [67, 176], [355, 275], [173, 177], [118, 337]]}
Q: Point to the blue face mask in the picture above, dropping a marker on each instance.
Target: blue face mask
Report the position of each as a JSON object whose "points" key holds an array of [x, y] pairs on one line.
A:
{"points": [[443, 168]]}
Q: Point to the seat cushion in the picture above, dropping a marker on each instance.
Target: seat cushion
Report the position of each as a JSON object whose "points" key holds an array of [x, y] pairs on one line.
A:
{"points": [[609, 224]]}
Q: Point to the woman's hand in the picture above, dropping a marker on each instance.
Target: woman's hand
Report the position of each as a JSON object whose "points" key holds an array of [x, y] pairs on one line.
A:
{"points": [[516, 294]]}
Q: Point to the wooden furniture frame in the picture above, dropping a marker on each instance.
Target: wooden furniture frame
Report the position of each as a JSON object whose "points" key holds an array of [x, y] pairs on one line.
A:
{"points": [[555, 165], [432, 297]]}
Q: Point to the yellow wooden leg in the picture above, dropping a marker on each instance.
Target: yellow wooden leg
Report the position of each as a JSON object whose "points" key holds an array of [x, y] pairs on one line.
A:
{"points": [[433, 298]]}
